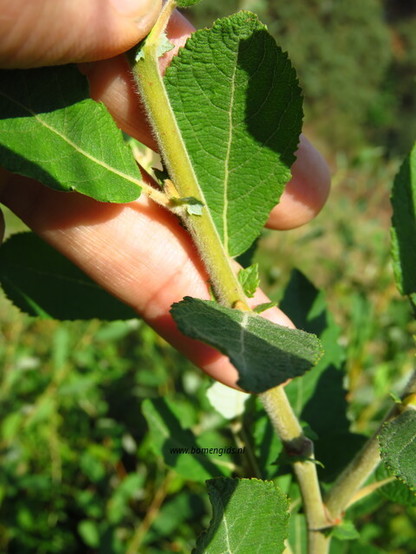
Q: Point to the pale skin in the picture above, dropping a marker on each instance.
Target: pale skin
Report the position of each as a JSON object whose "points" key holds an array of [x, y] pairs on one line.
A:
{"points": [[138, 251]]}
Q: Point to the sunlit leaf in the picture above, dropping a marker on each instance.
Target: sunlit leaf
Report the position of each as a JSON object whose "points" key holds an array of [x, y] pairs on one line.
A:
{"points": [[238, 107], [403, 248], [398, 446], [238, 525], [228, 402], [396, 491], [249, 279], [52, 131]]}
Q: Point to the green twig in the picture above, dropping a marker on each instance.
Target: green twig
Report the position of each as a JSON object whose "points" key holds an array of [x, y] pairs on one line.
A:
{"points": [[297, 445], [352, 478], [348, 484], [219, 265], [175, 156]]}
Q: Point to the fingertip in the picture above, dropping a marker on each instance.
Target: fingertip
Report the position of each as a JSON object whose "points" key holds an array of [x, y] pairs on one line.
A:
{"points": [[307, 191]]}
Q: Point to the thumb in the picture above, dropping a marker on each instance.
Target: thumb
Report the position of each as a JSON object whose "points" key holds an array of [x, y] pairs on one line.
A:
{"points": [[46, 32]]}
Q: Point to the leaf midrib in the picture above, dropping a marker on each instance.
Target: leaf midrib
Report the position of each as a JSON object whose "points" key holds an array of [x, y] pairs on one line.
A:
{"points": [[227, 160]]}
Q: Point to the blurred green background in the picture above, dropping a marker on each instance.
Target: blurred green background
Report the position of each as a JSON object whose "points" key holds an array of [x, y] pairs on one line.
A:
{"points": [[78, 473]]}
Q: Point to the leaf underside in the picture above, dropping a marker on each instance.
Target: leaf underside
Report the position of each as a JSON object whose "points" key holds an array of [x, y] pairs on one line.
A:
{"points": [[238, 525], [398, 446], [265, 354], [51, 131], [403, 231], [43, 283], [238, 107]]}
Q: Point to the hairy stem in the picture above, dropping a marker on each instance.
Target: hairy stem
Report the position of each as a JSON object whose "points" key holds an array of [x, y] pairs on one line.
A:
{"points": [[152, 90], [219, 266], [297, 445], [363, 464], [353, 477]]}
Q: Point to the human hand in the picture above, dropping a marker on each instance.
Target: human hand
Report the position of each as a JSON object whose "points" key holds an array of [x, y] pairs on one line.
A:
{"points": [[139, 252], [46, 32]]}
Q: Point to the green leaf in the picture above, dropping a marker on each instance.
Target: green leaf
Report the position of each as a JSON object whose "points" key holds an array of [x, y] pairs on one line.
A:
{"points": [[249, 279], [246, 258], [89, 532], [238, 107], [345, 531], [249, 516], [186, 3], [403, 246], [298, 534], [396, 491], [164, 46], [305, 304], [43, 283], [193, 206], [363, 548], [265, 354], [179, 447], [306, 307], [398, 446], [228, 402], [52, 132], [324, 386], [260, 308], [127, 490], [173, 515]]}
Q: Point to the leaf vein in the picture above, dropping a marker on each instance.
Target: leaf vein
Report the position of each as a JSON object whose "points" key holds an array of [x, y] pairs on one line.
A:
{"points": [[71, 143], [228, 158]]}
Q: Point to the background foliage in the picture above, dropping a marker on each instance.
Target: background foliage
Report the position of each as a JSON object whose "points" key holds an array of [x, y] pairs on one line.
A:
{"points": [[356, 62], [80, 471]]}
